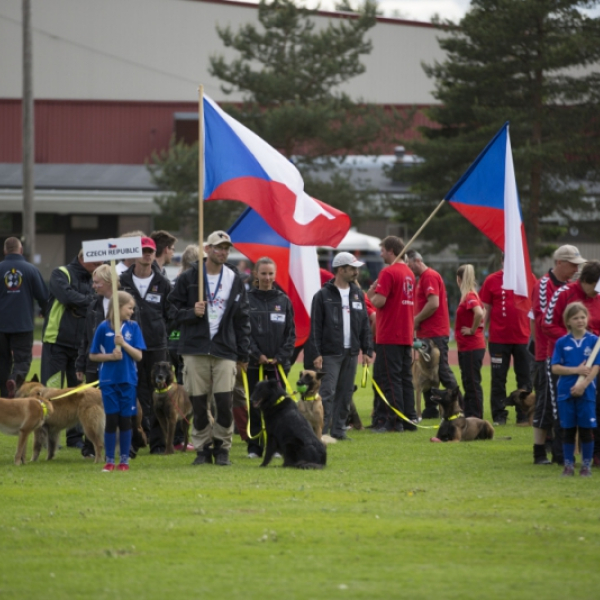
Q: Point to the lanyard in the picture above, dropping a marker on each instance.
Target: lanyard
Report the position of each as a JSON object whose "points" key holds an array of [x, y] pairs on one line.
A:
{"points": [[207, 288]]}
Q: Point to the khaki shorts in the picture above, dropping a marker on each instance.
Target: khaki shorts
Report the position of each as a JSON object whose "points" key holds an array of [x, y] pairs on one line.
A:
{"points": [[203, 375]]}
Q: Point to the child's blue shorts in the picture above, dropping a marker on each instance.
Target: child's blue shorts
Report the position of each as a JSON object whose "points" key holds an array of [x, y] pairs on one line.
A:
{"points": [[119, 398], [574, 412]]}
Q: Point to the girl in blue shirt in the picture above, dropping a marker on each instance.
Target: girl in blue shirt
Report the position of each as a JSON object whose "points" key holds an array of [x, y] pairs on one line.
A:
{"points": [[118, 354], [576, 399]]}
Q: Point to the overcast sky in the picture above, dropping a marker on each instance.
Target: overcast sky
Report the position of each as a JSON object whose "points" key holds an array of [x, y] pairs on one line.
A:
{"points": [[418, 10]]}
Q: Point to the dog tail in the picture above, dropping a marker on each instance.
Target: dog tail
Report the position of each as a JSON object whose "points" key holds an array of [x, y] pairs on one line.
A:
{"points": [[308, 465]]}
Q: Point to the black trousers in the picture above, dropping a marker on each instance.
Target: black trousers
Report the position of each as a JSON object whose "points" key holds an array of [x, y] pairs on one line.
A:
{"points": [[446, 376], [144, 392], [500, 355], [470, 362], [392, 372], [57, 358], [15, 357]]}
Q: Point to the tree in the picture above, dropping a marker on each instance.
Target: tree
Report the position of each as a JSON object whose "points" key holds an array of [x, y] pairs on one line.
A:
{"points": [[175, 171], [533, 63], [289, 72]]}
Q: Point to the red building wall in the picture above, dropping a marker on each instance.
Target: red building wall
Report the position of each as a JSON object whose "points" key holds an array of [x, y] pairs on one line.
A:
{"points": [[105, 132]]}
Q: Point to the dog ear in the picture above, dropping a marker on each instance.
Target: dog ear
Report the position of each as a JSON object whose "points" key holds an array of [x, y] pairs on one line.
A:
{"points": [[35, 378], [523, 394]]}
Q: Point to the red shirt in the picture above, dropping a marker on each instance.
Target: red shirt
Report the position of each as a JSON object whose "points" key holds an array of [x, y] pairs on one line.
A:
{"points": [[438, 324], [395, 319], [325, 276], [554, 326], [464, 318], [541, 295], [508, 324]]}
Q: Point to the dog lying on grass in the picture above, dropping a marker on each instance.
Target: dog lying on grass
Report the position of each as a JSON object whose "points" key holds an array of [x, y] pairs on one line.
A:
{"points": [[455, 427], [525, 402], [21, 416], [83, 407], [425, 371], [171, 404], [288, 431]]}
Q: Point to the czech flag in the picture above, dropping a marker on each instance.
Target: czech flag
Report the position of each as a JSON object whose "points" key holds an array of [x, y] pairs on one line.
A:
{"points": [[297, 266], [486, 195], [239, 165]]}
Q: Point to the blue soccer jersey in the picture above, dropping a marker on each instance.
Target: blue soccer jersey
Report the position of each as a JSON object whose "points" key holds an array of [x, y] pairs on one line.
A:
{"points": [[570, 352], [118, 371]]}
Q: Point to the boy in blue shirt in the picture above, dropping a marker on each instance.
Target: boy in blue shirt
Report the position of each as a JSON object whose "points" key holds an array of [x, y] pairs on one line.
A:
{"points": [[576, 397], [118, 353]]}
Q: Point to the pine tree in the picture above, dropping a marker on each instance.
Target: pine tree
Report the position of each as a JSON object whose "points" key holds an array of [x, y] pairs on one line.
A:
{"points": [[533, 63]]}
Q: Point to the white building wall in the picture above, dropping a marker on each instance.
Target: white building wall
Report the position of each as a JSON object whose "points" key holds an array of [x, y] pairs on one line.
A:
{"points": [[157, 50]]}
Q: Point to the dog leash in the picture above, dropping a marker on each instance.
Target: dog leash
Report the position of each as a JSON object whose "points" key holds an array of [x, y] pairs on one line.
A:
{"points": [[404, 417], [262, 420], [80, 388], [288, 387]]}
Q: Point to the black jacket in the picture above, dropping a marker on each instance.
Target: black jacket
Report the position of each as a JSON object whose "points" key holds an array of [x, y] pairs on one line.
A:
{"points": [[152, 311], [22, 285], [232, 340], [327, 325], [93, 318], [273, 332], [70, 295]]}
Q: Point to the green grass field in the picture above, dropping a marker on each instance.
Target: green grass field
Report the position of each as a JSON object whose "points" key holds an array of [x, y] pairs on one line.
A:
{"points": [[392, 516]]}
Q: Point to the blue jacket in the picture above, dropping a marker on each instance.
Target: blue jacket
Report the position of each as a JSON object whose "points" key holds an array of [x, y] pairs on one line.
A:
{"points": [[21, 284]]}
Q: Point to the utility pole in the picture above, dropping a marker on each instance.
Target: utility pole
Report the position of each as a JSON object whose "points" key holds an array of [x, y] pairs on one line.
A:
{"points": [[28, 235]]}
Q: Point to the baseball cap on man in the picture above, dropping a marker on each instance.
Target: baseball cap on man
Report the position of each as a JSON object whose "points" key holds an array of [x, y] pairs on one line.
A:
{"points": [[346, 259], [148, 243], [218, 237], [569, 254]]}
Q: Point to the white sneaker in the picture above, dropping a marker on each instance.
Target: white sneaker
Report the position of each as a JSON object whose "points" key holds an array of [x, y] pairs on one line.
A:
{"points": [[276, 455], [253, 455]]}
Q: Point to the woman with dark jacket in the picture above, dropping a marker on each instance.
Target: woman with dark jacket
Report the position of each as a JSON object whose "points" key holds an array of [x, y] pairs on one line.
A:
{"points": [[272, 337]]}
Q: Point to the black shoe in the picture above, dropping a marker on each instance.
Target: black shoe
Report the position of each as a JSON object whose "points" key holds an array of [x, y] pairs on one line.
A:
{"points": [[499, 422], [157, 450], [133, 452], [380, 430], [408, 426], [202, 459], [342, 438], [222, 458], [542, 460], [78, 445]]}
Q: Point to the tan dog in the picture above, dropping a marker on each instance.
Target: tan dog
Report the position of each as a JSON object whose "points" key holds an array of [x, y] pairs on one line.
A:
{"points": [[21, 416], [525, 402], [455, 427], [83, 407], [425, 371], [310, 404], [171, 404]]}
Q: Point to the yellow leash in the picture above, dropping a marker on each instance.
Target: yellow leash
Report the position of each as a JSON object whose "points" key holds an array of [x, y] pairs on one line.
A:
{"points": [[405, 418], [288, 387], [80, 388], [262, 420]]}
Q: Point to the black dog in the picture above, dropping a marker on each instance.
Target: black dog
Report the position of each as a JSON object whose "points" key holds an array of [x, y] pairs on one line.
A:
{"points": [[288, 432]]}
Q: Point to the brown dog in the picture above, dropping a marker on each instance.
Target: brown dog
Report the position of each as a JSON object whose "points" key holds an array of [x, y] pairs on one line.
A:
{"points": [[171, 404], [425, 371], [455, 427], [83, 407], [20, 417], [525, 402], [310, 404]]}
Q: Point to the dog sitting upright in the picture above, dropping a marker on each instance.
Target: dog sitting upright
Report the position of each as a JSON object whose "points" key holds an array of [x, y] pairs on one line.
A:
{"points": [[310, 404], [288, 432], [455, 427], [525, 402], [425, 371], [21, 416], [171, 404]]}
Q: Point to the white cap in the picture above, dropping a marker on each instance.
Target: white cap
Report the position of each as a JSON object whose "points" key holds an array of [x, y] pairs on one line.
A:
{"points": [[346, 259]]}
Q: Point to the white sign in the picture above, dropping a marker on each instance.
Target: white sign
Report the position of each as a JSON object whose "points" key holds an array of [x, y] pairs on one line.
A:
{"points": [[112, 249]]}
